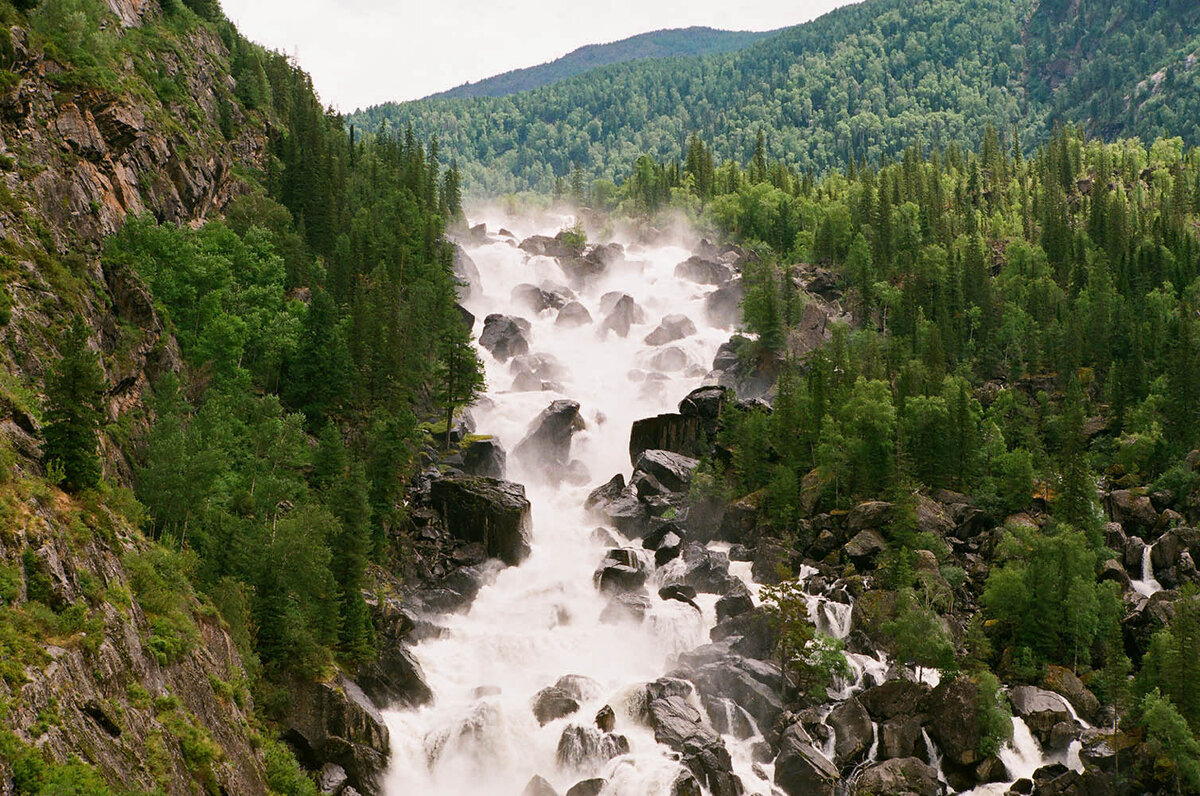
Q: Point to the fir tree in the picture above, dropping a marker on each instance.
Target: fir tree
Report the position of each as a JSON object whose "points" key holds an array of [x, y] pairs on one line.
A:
{"points": [[74, 411]]}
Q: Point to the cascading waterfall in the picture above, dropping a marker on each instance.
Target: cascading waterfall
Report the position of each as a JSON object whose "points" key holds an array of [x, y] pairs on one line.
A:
{"points": [[1147, 585], [534, 623]]}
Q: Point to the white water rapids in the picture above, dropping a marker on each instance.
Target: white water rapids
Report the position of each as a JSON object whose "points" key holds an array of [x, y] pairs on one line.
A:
{"points": [[539, 621]]}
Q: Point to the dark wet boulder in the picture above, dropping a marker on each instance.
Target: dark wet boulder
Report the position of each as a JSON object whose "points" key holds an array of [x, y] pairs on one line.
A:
{"points": [[585, 749], [853, 731], [505, 336], [953, 722], [573, 315], [394, 678], [703, 271], [625, 313], [864, 548], [752, 634], [680, 726], [547, 445], [553, 703], [540, 299], [336, 723], [1063, 681], [671, 432], [801, 769], [906, 775], [630, 607], [485, 457], [672, 470], [579, 686], [672, 328], [606, 719], [873, 514], [723, 306], [894, 698], [705, 403], [545, 246], [679, 593], [753, 685], [588, 787], [900, 737], [1134, 511], [618, 504], [535, 372], [621, 570], [703, 569], [539, 787], [734, 602], [485, 510]]}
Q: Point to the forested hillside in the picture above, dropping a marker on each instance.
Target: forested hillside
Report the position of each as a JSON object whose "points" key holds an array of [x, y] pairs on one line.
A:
{"points": [[224, 318], [653, 45], [1019, 335], [860, 82]]}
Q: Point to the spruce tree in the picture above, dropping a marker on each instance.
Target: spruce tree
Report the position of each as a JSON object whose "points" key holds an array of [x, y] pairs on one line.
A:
{"points": [[74, 411]]}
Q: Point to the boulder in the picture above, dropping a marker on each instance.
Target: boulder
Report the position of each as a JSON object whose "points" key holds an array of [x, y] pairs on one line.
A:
{"points": [[1113, 570], [734, 602], [679, 725], [1063, 681], [485, 510], [864, 548], [505, 336], [1040, 709], [1135, 512], [906, 775], [672, 328], [672, 470], [752, 634], [336, 723], [485, 457], [953, 720], [621, 570], [545, 246], [539, 787], [547, 445], [723, 306], [585, 749], [673, 433], [588, 787], [753, 685], [703, 271], [536, 298], [669, 360], [573, 315], [679, 593], [703, 569], [624, 314], [619, 505], [394, 678], [606, 719], [853, 731], [894, 698], [900, 737], [553, 703], [801, 769], [873, 514], [1171, 547], [534, 372]]}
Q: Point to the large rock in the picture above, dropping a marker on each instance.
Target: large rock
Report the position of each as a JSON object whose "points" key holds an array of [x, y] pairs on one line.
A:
{"points": [[553, 703], [801, 769], [723, 306], [953, 711], [864, 548], [394, 678], [621, 570], [547, 445], [534, 372], [672, 470], [337, 723], [672, 328], [1135, 512], [586, 749], [1063, 681], [505, 336], [624, 314], [673, 432], [573, 315], [899, 737], [588, 787], [703, 271], [704, 570], [485, 510], [754, 686], [873, 514], [539, 787], [905, 775], [485, 457], [1040, 709], [545, 246], [618, 504], [680, 726], [752, 633], [735, 602], [853, 731], [630, 607], [538, 298], [894, 698]]}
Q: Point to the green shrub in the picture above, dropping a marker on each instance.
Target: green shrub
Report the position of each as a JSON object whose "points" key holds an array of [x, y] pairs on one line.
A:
{"points": [[994, 716]]}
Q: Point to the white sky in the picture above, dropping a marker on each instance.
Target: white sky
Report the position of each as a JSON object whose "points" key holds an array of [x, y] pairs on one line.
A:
{"points": [[364, 52]]}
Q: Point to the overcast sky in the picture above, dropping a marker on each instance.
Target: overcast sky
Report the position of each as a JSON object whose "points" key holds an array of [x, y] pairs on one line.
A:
{"points": [[363, 52]]}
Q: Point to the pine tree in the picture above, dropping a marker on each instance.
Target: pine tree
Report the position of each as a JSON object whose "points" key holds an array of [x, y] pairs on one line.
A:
{"points": [[74, 411], [458, 374]]}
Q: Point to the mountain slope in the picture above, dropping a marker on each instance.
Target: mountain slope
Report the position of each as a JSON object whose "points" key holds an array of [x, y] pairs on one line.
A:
{"points": [[862, 81], [656, 44]]}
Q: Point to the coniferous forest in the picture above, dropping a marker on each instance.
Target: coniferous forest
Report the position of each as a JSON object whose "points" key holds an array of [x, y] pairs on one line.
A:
{"points": [[923, 522]]}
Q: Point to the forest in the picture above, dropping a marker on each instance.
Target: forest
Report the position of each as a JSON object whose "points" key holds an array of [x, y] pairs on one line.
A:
{"points": [[1023, 329], [861, 82]]}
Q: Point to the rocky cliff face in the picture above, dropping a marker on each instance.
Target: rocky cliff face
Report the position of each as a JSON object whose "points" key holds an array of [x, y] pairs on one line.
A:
{"points": [[106, 656]]}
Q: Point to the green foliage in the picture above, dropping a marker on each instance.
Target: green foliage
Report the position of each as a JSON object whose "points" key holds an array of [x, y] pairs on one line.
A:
{"points": [[160, 581], [34, 774], [1176, 751], [993, 714], [284, 776], [918, 635], [809, 658], [1171, 666], [74, 411]]}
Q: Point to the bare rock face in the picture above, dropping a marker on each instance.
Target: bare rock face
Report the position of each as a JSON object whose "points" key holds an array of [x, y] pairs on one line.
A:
{"points": [[485, 510], [336, 722]]}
